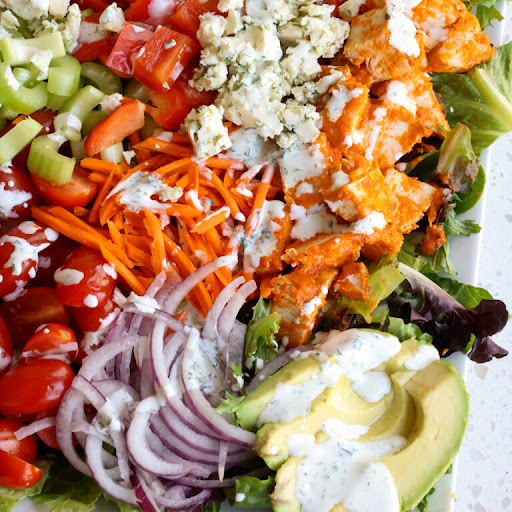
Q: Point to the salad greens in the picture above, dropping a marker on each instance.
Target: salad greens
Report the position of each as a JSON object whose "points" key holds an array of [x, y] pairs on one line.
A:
{"points": [[251, 492]]}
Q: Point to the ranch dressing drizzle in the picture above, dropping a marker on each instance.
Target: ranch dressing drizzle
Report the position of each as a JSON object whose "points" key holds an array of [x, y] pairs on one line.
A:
{"points": [[355, 352]]}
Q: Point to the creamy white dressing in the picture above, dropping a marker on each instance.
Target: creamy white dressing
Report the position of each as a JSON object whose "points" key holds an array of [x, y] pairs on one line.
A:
{"points": [[249, 147], [378, 115], [339, 99], [23, 251], [423, 357], [91, 32], [299, 163], [68, 276], [91, 301], [309, 222], [143, 303], [398, 93], [401, 27], [11, 199]]}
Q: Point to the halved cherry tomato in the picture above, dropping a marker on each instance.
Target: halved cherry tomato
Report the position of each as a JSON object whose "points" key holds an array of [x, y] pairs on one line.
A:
{"points": [[19, 255], [51, 341], [15, 473], [38, 305], [85, 279], [17, 193], [5, 347], [78, 192], [163, 58], [35, 386], [48, 435], [25, 448], [186, 18], [93, 319], [131, 39], [51, 258]]}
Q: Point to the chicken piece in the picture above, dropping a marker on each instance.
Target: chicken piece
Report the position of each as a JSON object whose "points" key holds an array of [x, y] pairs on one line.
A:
{"points": [[370, 42], [389, 242], [464, 47], [352, 282], [264, 248], [435, 237], [298, 297], [434, 17]]}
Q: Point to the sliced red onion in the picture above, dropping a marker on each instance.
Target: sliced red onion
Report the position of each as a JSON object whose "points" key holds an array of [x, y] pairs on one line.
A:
{"points": [[215, 483], [34, 427], [176, 498], [223, 455], [143, 494], [160, 315]]}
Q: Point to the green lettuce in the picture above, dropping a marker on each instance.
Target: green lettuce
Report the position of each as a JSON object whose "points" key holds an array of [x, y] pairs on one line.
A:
{"points": [[480, 99], [469, 296], [485, 11], [405, 331], [251, 492], [455, 226], [260, 341], [411, 256], [229, 405]]}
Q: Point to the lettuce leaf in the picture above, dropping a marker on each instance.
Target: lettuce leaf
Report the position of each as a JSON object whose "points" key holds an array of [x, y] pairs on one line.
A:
{"points": [[469, 296], [485, 11], [480, 99], [455, 226], [439, 262], [405, 331], [260, 341], [453, 326], [228, 406], [251, 492]]}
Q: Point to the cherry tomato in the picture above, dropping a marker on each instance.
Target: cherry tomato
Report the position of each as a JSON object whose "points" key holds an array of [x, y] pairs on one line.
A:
{"points": [[36, 306], [34, 387], [51, 341], [48, 435], [85, 279], [5, 347], [15, 473], [78, 192], [17, 194], [19, 254], [50, 259], [93, 319], [25, 449]]}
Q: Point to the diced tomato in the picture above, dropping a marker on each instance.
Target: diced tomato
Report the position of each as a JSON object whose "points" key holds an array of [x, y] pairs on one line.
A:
{"points": [[186, 18], [80, 191], [18, 194], [95, 5], [25, 448], [36, 306], [51, 341], [87, 52], [5, 347], [15, 473], [171, 109], [131, 39], [19, 254], [39, 386], [48, 435], [93, 319], [163, 58], [85, 279], [51, 259], [153, 12], [94, 17]]}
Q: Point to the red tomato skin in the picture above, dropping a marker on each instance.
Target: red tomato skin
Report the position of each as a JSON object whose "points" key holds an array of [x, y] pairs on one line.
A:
{"points": [[25, 449], [89, 319], [36, 306], [16, 187], [34, 387], [157, 66], [15, 473], [80, 191], [16, 273], [128, 44], [51, 341], [51, 258], [48, 435], [95, 282], [5, 347]]}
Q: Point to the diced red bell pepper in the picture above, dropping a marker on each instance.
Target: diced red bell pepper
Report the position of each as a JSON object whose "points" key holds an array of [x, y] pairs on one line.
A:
{"points": [[163, 58], [171, 109], [131, 39], [186, 18], [95, 5], [87, 52], [154, 12]]}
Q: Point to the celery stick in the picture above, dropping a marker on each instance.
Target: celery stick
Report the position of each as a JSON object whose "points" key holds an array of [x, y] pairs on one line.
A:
{"points": [[45, 161], [82, 103], [3, 123], [64, 76], [21, 51], [17, 138], [91, 120], [55, 101], [113, 153], [25, 77], [78, 150], [134, 89], [101, 77], [7, 113]]}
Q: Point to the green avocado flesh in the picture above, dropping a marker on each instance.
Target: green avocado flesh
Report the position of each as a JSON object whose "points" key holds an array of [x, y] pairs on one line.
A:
{"points": [[428, 408]]}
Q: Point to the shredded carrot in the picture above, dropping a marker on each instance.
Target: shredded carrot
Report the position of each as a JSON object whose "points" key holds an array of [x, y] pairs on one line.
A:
{"points": [[115, 234], [193, 174], [225, 193], [97, 177], [139, 256], [169, 148], [140, 154], [95, 164], [124, 272], [213, 239], [259, 200], [224, 163], [80, 212], [154, 229], [102, 194], [19, 119], [211, 220]]}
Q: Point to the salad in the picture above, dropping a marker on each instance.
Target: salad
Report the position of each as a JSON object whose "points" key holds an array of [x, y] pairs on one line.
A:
{"points": [[225, 267]]}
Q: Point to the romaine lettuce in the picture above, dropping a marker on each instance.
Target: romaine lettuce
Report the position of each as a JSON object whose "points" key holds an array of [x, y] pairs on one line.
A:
{"points": [[251, 492]]}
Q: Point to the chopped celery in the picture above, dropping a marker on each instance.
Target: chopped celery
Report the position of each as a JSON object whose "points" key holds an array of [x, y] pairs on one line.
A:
{"points": [[101, 77], [148, 130], [92, 119], [45, 160], [113, 153], [134, 89], [64, 76], [82, 103], [25, 77], [55, 101], [78, 150], [16, 139], [17, 97], [3, 123], [7, 113], [86, 12], [21, 51]]}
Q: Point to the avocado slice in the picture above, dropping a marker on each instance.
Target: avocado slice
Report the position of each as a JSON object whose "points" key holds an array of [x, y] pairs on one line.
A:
{"points": [[442, 409], [339, 402]]}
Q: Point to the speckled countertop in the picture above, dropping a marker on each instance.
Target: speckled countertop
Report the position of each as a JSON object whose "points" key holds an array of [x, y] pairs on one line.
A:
{"points": [[484, 482]]}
